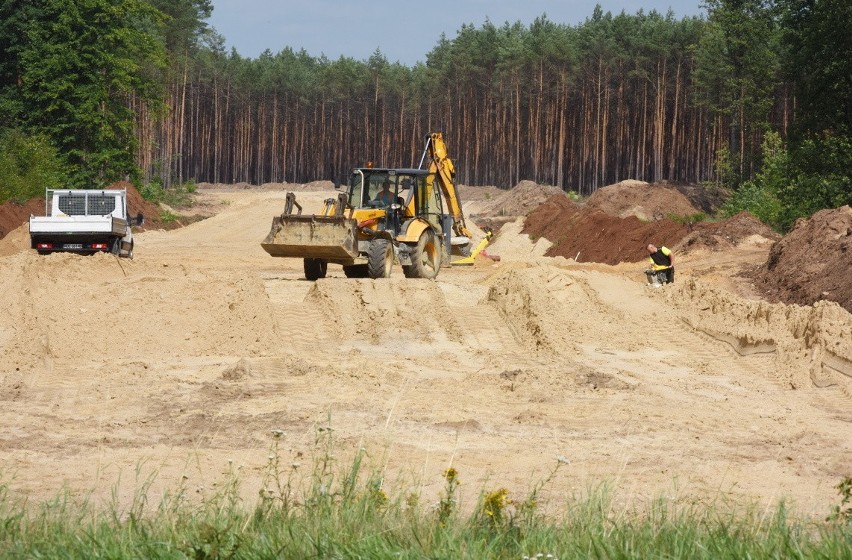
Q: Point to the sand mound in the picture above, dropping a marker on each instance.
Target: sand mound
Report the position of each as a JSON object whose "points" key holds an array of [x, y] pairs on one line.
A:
{"points": [[15, 241], [541, 302], [469, 193], [511, 244], [518, 201], [190, 311], [812, 262], [727, 233], [642, 200]]}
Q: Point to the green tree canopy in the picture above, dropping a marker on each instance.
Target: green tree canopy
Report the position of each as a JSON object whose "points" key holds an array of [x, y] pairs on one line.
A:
{"points": [[28, 166], [74, 66], [818, 40]]}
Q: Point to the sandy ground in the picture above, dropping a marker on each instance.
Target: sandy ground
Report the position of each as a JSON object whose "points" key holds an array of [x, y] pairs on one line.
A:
{"points": [[173, 369]]}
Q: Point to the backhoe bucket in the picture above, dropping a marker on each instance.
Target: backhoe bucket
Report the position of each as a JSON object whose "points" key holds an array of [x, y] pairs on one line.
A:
{"points": [[312, 237]]}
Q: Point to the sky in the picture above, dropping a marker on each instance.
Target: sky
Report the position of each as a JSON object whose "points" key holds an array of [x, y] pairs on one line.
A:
{"points": [[404, 30]]}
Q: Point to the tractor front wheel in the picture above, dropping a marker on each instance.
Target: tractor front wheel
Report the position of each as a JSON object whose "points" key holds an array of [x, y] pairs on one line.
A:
{"points": [[380, 258]]}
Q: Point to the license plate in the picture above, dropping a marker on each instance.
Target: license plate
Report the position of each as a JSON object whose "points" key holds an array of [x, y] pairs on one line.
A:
{"points": [[72, 246]]}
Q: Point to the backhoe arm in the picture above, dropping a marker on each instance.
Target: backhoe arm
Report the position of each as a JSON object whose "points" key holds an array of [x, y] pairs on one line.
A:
{"points": [[443, 166]]}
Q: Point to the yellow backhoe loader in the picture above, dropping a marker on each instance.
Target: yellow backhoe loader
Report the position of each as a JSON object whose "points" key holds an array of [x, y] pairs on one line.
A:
{"points": [[385, 216]]}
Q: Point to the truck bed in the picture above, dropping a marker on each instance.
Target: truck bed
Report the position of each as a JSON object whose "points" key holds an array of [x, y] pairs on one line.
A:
{"points": [[77, 225]]}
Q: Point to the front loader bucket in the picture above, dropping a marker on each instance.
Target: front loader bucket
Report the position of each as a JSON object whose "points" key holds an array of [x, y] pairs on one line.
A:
{"points": [[312, 237]]}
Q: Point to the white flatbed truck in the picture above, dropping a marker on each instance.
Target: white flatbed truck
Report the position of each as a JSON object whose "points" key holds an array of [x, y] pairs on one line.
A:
{"points": [[84, 221]]}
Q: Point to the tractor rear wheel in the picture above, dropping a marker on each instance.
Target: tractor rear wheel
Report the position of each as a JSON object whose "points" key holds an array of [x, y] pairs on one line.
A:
{"points": [[356, 271], [380, 258], [315, 269], [426, 257]]}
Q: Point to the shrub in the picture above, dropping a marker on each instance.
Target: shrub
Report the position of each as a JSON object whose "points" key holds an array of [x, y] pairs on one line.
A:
{"points": [[167, 216], [687, 219], [152, 191], [760, 197]]}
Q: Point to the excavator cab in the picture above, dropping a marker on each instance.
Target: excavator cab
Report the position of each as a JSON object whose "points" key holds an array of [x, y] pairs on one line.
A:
{"points": [[367, 187]]}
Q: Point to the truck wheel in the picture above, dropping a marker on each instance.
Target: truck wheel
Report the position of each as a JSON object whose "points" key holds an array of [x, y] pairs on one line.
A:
{"points": [[380, 258], [426, 257], [115, 247], [315, 269]]}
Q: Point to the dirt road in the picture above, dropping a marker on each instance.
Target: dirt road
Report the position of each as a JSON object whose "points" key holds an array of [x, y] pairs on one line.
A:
{"points": [[180, 364]]}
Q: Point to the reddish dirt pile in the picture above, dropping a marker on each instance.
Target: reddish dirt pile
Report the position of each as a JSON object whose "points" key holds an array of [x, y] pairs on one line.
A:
{"points": [[643, 200], [609, 228], [13, 215], [813, 262], [591, 235]]}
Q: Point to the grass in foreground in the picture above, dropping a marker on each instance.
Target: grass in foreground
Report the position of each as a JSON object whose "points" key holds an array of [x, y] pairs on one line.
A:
{"points": [[349, 515]]}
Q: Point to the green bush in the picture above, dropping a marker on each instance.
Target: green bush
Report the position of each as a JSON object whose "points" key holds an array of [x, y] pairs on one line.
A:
{"points": [[756, 199], [167, 216], [795, 184], [574, 196], [152, 191], [178, 195], [28, 166]]}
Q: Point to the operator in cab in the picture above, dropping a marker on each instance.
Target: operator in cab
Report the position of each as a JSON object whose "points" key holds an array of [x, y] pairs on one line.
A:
{"points": [[385, 196]]}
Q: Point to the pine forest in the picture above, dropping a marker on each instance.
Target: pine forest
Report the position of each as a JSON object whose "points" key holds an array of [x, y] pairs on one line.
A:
{"points": [[145, 89]]}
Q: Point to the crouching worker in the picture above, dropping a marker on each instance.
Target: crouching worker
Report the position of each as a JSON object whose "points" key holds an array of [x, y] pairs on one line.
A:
{"points": [[662, 265]]}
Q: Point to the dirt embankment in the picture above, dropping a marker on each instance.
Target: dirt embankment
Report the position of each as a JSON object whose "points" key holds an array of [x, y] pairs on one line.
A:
{"points": [[13, 215], [617, 222], [591, 235], [813, 262]]}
